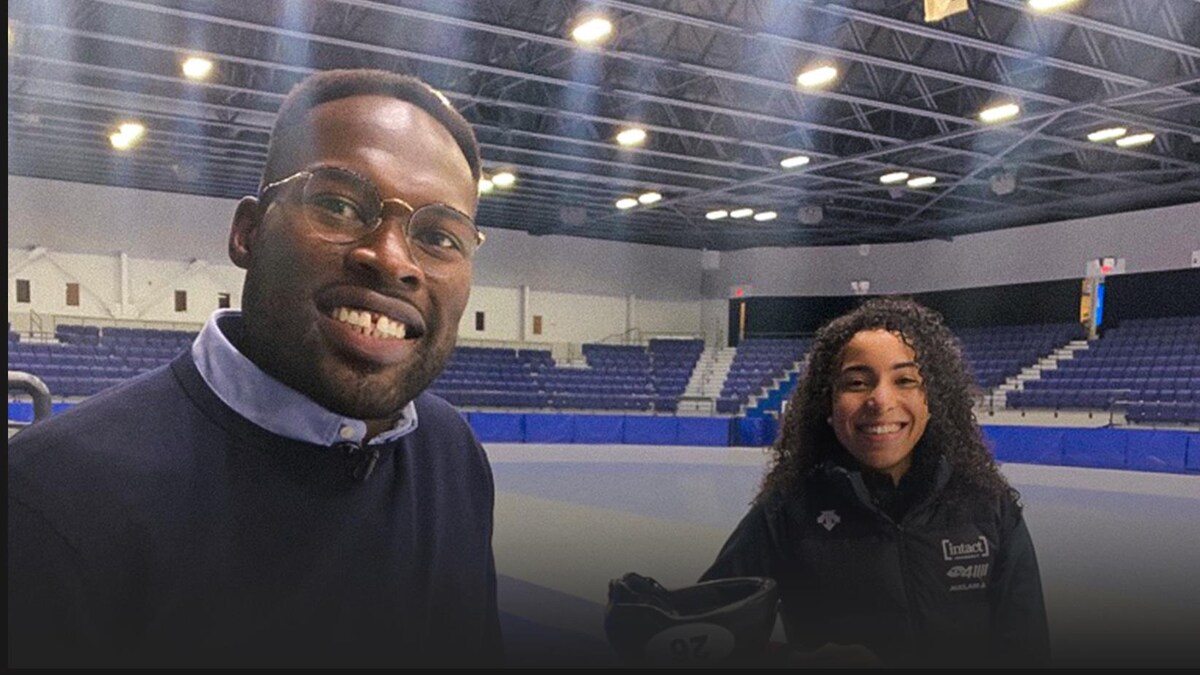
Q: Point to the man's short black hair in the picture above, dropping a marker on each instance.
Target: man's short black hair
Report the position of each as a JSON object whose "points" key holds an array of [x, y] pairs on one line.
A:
{"points": [[331, 85]]}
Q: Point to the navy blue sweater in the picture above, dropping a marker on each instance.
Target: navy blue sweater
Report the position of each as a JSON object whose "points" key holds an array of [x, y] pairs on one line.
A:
{"points": [[152, 525]]}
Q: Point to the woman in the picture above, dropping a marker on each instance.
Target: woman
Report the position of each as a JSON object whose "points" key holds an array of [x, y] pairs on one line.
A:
{"points": [[883, 516]]}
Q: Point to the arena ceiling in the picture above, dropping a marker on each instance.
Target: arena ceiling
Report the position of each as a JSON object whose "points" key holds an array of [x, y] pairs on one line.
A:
{"points": [[712, 82]]}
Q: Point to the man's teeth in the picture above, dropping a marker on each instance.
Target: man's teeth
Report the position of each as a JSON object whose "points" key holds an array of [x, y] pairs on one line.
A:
{"points": [[368, 323], [881, 429]]}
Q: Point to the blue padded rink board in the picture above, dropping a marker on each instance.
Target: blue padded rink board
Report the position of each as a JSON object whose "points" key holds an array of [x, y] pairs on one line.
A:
{"points": [[1119, 551]]}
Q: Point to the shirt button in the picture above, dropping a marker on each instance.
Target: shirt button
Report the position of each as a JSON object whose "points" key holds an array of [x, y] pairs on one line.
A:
{"points": [[346, 432]]}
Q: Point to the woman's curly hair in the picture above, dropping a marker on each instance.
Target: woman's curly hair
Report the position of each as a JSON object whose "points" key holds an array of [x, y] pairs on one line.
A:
{"points": [[806, 439]]}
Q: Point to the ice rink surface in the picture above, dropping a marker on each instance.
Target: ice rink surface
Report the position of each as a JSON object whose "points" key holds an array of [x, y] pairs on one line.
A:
{"points": [[1119, 551]]}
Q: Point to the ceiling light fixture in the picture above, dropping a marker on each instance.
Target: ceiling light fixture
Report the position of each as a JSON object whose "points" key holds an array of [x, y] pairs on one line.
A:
{"points": [[717, 215], [631, 136], [197, 68], [1136, 139], [504, 179], [120, 141], [894, 177], [811, 215], [1048, 5], [815, 77], [649, 197], [127, 135], [793, 162], [1106, 134], [741, 213], [486, 186], [626, 203], [922, 181], [592, 31], [132, 130], [765, 216], [1000, 112], [1003, 183]]}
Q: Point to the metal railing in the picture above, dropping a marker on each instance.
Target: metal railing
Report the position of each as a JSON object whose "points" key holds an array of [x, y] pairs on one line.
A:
{"points": [[32, 385]]}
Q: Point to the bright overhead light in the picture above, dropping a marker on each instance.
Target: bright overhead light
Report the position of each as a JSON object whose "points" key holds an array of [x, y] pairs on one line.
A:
{"points": [[1048, 5], [132, 130], [793, 162], [649, 197], [127, 135], [504, 179], [486, 186], [1106, 134], [1136, 139], [894, 177], [741, 213], [632, 136], [922, 181], [717, 215], [626, 203], [1000, 112], [816, 77], [592, 31], [120, 141], [765, 216], [197, 68]]}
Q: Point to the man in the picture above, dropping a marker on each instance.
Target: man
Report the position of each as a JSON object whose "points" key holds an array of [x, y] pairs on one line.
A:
{"points": [[284, 494]]}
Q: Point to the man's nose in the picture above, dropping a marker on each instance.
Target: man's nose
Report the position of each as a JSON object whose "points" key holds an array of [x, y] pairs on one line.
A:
{"points": [[388, 252]]}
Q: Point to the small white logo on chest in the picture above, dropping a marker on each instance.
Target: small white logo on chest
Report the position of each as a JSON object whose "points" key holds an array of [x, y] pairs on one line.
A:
{"points": [[967, 550], [828, 519]]}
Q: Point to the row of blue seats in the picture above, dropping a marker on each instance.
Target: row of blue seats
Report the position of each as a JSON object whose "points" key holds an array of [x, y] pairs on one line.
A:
{"points": [[1114, 383], [1159, 322], [1127, 330], [1008, 352], [557, 401], [566, 375], [72, 370], [71, 386], [1123, 371], [1163, 411], [1142, 348], [1000, 343], [1103, 361], [1119, 394], [36, 362], [49, 353], [1101, 399]]}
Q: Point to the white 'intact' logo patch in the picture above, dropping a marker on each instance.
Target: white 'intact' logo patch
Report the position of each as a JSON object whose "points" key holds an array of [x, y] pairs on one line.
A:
{"points": [[967, 550]]}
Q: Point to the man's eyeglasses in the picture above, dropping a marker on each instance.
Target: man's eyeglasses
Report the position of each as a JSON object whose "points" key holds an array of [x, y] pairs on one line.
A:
{"points": [[342, 207]]}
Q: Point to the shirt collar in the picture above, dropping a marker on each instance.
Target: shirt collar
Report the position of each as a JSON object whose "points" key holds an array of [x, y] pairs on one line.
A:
{"points": [[271, 404]]}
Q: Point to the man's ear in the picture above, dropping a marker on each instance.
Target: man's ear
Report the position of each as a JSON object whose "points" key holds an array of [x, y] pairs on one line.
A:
{"points": [[242, 232]]}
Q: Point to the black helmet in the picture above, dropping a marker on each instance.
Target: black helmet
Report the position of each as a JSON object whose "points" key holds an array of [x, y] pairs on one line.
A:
{"points": [[717, 622]]}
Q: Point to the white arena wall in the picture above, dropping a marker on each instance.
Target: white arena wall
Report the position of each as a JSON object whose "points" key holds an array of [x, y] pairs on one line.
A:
{"points": [[130, 250]]}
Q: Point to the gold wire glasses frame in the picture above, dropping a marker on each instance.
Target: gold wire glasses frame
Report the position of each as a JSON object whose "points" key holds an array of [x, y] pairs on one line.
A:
{"points": [[342, 207]]}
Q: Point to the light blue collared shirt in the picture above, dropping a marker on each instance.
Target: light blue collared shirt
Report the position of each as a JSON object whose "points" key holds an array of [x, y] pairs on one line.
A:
{"points": [[271, 404]]}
